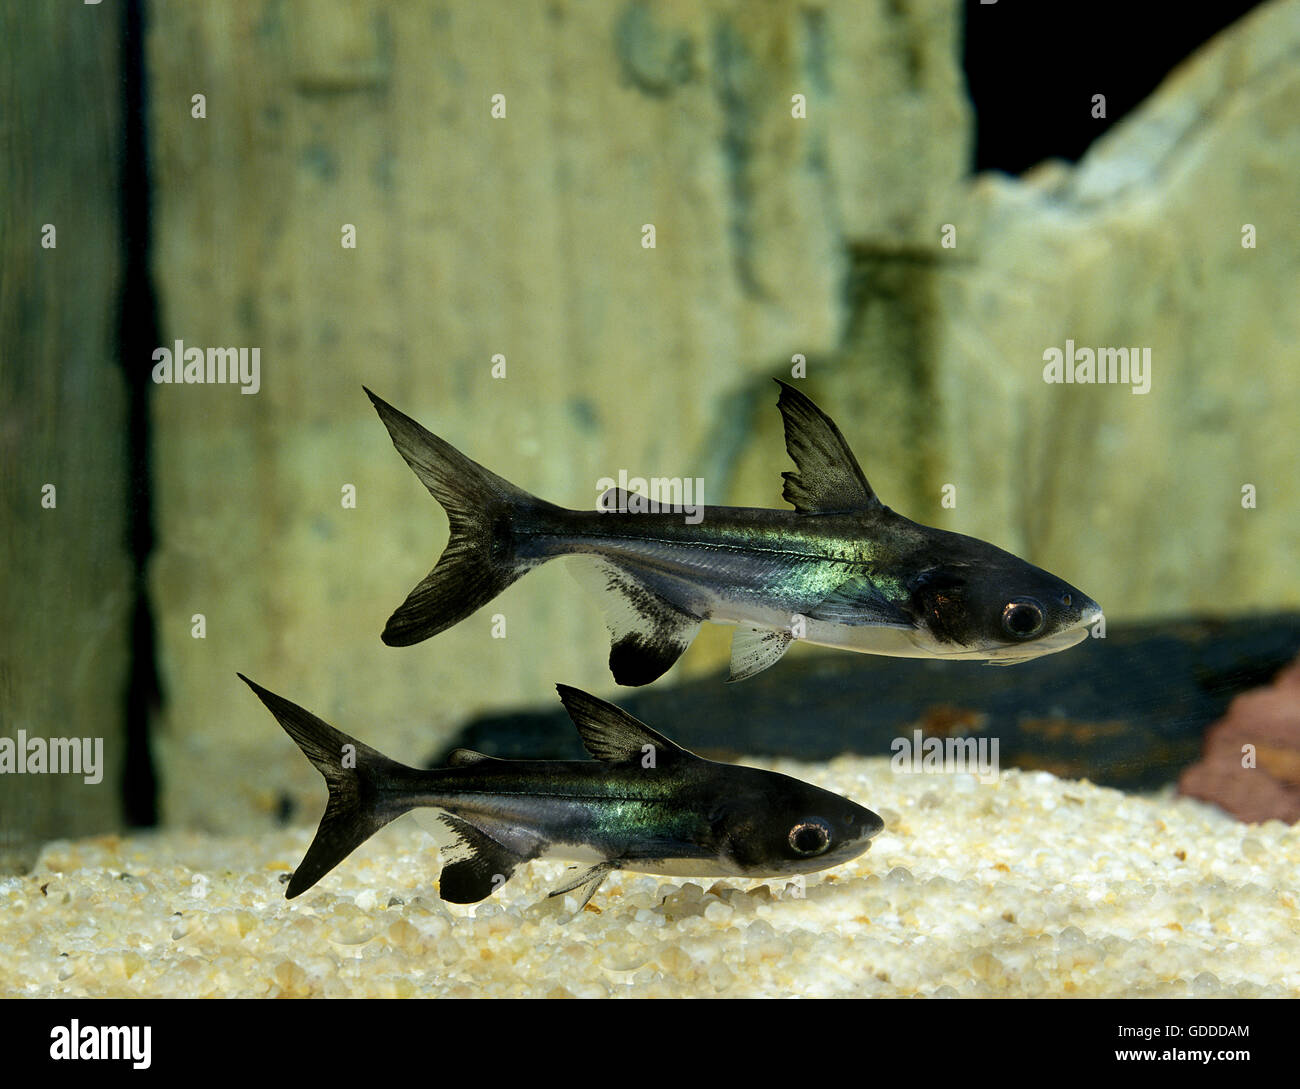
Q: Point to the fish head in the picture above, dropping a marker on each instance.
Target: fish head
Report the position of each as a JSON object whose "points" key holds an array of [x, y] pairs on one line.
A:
{"points": [[785, 826], [978, 602]]}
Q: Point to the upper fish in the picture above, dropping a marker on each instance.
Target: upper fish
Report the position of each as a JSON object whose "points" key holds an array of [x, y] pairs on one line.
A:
{"points": [[643, 804], [840, 570]]}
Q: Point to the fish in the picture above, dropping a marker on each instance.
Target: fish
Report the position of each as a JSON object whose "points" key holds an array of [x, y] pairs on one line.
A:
{"points": [[643, 804], [839, 570]]}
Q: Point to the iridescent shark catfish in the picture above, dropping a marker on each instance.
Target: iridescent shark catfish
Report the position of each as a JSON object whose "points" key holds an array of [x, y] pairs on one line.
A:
{"points": [[840, 570], [644, 804]]}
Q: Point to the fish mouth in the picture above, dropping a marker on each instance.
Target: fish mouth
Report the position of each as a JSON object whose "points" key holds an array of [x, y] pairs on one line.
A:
{"points": [[1024, 652], [871, 825], [1091, 615], [1061, 640]]}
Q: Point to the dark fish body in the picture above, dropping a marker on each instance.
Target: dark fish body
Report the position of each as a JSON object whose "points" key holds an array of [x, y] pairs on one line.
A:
{"points": [[644, 804], [840, 570]]}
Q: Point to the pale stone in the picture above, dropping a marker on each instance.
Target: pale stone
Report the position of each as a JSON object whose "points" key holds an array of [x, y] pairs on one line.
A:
{"points": [[1137, 498], [477, 236]]}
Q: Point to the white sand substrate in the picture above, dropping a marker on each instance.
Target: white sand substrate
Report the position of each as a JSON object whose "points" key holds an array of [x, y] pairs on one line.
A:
{"points": [[1028, 886]]}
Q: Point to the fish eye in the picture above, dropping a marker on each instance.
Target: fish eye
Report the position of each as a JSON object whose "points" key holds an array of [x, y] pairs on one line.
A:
{"points": [[810, 837], [1022, 618]]}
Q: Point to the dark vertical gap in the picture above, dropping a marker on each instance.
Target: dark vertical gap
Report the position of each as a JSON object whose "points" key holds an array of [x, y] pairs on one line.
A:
{"points": [[731, 86], [137, 337], [1032, 69]]}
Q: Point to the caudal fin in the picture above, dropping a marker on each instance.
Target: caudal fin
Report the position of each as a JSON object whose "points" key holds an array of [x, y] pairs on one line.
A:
{"points": [[480, 559], [357, 775]]}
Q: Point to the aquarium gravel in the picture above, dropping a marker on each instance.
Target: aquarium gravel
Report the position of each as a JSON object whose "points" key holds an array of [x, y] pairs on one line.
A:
{"points": [[1026, 886]]}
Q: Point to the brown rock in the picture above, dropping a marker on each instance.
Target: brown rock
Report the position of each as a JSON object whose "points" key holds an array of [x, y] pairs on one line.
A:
{"points": [[1251, 765]]}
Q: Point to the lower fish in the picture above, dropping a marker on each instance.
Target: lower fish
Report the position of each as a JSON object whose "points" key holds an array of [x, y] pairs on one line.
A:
{"points": [[840, 570], [644, 804]]}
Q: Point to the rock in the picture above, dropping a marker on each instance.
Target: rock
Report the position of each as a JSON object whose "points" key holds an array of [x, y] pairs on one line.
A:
{"points": [[1251, 765], [520, 236], [1127, 711], [1140, 245]]}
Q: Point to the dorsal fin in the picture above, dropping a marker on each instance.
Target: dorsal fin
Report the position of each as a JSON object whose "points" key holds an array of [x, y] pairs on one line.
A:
{"points": [[609, 733], [459, 758], [828, 478], [618, 499]]}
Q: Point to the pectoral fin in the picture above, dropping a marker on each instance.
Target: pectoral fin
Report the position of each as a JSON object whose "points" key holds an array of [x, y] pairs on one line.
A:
{"points": [[589, 881], [858, 600], [754, 649], [648, 633]]}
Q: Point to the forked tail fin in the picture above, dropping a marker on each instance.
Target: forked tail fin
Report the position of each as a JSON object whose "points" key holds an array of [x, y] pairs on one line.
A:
{"points": [[480, 560], [357, 776]]}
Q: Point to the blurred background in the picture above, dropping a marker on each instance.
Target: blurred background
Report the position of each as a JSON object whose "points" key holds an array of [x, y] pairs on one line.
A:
{"points": [[910, 200]]}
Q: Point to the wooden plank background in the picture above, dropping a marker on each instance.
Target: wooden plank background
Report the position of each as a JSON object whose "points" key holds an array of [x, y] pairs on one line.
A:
{"points": [[65, 595]]}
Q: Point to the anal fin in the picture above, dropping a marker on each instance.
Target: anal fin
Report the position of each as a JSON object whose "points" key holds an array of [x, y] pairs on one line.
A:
{"points": [[648, 633], [476, 865], [754, 649]]}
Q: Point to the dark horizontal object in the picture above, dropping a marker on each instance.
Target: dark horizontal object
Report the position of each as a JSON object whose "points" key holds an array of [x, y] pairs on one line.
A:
{"points": [[1126, 711]]}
